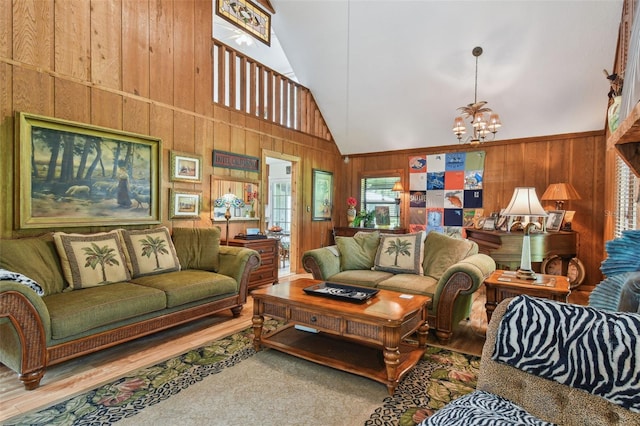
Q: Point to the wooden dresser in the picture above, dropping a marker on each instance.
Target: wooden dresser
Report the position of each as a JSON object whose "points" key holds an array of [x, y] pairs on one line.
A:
{"points": [[267, 272]]}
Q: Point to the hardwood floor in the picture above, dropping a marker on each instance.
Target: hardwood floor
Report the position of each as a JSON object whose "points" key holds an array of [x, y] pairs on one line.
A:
{"points": [[82, 374]]}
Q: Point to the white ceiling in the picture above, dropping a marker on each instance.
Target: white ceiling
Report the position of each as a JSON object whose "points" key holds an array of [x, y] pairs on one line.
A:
{"points": [[390, 74]]}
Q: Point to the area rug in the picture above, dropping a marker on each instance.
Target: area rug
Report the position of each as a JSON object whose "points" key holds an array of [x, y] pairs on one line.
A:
{"points": [[228, 383]]}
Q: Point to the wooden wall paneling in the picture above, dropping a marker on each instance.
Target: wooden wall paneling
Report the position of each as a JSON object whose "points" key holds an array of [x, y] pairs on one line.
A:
{"points": [[136, 116], [161, 51], [253, 89], [72, 38], [161, 126], [184, 51], [72, 101], [231, 81], [7, 148], [268, 75], [33, 32], [32, 91], [494, 195], [242, 90], [203, 54], [183, 132], [204, 147], [6, 29], [277, 99], [106, 43], [106, 109], [135, 48]]}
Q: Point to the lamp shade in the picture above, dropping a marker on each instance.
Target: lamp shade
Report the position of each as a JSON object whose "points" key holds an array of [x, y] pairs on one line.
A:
{"points": [[560, 192], [524, 202], [397, 187]]}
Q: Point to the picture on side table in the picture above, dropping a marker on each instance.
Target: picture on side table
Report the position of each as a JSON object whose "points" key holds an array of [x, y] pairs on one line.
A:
{"points": [[74, 174], [554, 220]]}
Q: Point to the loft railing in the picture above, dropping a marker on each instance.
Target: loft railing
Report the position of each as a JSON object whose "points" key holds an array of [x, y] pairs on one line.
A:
{"points": [[243, 84]]}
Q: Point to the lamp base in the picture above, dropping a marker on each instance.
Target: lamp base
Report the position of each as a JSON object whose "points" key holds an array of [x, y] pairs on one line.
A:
{"points": [[525, 274]]}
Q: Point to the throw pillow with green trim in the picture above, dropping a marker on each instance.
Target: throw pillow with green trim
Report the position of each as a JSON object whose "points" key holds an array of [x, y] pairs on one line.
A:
{"points": [[358, 252], [91, 260], [400, 254], [150, 251]]}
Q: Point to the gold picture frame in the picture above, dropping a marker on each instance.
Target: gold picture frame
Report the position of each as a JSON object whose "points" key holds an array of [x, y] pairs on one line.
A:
{"points": [[247, 16], [185, 167], [321, 195], [71, 174], [184, 204]]}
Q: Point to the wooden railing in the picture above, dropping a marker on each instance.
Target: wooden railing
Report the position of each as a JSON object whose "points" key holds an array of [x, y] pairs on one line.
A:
{"points": [[243, 84]]}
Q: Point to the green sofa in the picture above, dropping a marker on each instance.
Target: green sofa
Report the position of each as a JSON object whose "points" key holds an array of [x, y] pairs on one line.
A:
{"points": [[447, 269], [188, 275]]}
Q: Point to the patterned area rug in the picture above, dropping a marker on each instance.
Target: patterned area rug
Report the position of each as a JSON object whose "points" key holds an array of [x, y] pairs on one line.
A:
{"points": [[441, 376]]}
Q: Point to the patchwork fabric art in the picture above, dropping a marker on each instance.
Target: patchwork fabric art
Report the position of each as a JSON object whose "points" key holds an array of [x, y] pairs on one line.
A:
{"points": [[444, 189]]}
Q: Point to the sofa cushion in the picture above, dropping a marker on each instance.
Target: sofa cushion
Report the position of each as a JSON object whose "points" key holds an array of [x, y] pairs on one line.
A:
{"points": [[400, 253], [43, 265], [198, 248], [90, 260], [82, 310], [359, 250], [482, 408], [150, 251], [410, 283], [362, 277], [189, 285], [442, 251], [563, 341]]}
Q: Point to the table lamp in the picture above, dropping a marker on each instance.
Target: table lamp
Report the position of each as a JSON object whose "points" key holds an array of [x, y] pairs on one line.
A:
{"points": [[397, 187], [524, 202], [227, 200], [560, 192]]}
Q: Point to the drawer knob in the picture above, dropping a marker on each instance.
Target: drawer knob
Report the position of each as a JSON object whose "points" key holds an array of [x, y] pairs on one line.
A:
{"points": [[313, 319]]}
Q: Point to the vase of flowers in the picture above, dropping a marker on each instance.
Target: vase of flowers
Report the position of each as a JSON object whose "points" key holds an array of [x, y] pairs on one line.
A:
{"points": [[351, 210], [252, 196]]}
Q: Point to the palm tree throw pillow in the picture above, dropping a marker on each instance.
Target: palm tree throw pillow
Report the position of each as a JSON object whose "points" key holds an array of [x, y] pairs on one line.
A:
{"points": [[150, 251], [400, 254], [91, 260]]}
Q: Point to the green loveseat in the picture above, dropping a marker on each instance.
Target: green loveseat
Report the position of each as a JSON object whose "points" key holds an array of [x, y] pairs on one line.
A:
{"points": [[191, 276], [447, 269]]}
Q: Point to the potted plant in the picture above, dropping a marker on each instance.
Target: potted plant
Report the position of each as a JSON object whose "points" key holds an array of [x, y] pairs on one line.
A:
{"points": [[365, 219]]}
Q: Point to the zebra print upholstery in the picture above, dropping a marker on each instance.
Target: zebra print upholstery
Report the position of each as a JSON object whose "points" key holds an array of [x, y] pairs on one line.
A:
{"points": [[578, 346], [507, 395]]}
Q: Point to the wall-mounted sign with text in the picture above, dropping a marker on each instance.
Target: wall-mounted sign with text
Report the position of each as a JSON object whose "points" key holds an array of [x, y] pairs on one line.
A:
{"points": [[230, 160]]}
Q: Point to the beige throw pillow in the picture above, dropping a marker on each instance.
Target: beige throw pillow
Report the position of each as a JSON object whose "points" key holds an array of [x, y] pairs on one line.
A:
{"points": [[443, 251], [150, 251], [400, 254], [91, 260]]}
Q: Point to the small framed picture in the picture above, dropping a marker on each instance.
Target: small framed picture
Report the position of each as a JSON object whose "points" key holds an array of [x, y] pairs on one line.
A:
{"points": [[185, 167], [554, 220], [184, 204], [489, 224], [568, 218]]}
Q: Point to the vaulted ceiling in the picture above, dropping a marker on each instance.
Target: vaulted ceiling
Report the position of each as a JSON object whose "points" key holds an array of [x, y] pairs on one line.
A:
{"points": [[390, 74]]}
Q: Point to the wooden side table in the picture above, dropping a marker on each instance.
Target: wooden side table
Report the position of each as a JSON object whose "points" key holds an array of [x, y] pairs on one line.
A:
{"points": [[504, 284]]}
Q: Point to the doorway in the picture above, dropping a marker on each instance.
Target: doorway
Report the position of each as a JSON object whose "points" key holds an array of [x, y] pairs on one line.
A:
{"points": [[280, 215]]}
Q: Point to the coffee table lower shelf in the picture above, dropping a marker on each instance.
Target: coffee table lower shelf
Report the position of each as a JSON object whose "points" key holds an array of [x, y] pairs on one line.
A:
{"points": [[342, 354]]}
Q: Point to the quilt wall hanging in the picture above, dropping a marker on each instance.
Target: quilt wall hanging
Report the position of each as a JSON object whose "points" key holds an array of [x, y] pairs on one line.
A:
{"points": [[445, 191]]}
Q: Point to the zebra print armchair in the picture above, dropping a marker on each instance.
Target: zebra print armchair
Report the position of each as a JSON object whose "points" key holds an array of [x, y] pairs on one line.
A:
{"points": [[547, 362]]}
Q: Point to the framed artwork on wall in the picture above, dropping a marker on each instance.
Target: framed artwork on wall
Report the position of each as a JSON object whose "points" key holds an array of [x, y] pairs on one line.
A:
{"points": [[185, 167], [322, 195], [247, 16], [184, 204], [72, 174]]}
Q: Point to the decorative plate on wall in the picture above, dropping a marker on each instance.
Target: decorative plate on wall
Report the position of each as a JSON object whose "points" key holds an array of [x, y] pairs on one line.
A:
{"points": [[575, 270]]}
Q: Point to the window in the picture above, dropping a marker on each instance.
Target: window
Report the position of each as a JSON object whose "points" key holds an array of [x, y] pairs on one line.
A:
{"points": [[376, 191], [626, 199], [281, 204]]}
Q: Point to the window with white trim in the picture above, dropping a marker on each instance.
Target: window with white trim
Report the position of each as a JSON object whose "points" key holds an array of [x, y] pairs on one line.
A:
{"points": [[627, 197], [377, 191]]}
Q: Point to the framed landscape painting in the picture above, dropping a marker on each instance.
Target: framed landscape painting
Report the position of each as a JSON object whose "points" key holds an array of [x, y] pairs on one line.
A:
{"points": [[72, 174], [185, 167], [184, 204]]}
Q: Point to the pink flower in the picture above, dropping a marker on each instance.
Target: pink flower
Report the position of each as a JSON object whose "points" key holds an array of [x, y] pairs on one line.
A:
{"points": [[351, 202]]}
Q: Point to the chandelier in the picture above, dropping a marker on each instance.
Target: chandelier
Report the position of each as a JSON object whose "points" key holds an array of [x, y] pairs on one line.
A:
{"points": [[483, 119]]}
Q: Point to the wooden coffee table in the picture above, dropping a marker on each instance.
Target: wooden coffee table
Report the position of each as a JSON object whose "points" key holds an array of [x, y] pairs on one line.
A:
{"points": [[365, 339]]}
